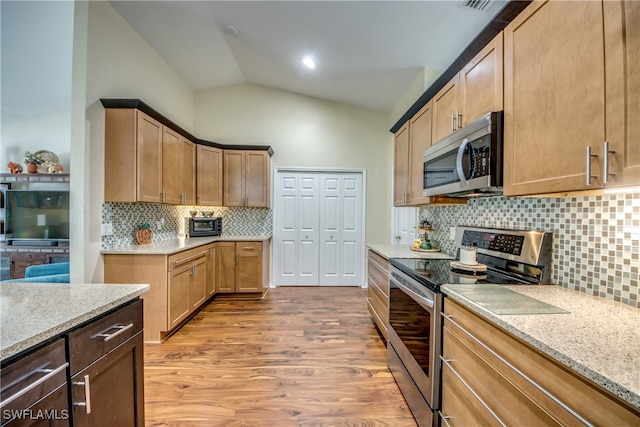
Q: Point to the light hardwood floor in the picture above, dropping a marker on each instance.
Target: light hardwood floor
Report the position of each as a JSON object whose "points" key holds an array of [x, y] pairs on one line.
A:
{"points": [[299, 357]]}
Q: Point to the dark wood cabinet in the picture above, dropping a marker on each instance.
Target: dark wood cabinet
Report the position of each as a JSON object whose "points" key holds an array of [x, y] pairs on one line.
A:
{"points": [[106, 365], [19, 261], [34, 388]]}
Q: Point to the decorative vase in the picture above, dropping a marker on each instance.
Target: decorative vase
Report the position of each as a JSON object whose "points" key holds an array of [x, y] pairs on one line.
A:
{"points": [[32, 167]]}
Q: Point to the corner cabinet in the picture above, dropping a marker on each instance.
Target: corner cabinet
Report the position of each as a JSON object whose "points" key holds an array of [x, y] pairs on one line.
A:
{"points": [[146, 161], [571, 97], [246, 178], [491, 378]]}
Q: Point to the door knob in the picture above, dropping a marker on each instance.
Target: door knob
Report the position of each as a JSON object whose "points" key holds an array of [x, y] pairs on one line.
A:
{"points": [[306, 236], [331, 236]]}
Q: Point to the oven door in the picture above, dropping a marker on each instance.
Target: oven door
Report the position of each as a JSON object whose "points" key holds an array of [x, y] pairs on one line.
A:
{"points": [[415, 332]]}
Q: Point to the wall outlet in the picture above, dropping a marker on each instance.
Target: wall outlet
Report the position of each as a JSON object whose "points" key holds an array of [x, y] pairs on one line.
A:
{"points": [[107, 229], [452, 233], [159, 225]]}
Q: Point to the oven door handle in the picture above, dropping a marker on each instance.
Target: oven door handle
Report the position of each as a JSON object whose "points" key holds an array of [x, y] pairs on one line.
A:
{"points": [[461, 175], [427, 302]]}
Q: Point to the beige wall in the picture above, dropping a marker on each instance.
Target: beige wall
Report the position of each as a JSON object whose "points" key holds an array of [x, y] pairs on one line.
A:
{"points": [[120, 64], [306, 132]]}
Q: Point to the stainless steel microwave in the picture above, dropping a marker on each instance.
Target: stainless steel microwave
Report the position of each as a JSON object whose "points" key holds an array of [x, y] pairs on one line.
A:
{"points": [[200, 227], [467, 162]]}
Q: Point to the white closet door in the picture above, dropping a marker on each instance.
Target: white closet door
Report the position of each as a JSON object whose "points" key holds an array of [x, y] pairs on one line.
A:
{"points": [[318, 228], [296, 229], [341, 230]]}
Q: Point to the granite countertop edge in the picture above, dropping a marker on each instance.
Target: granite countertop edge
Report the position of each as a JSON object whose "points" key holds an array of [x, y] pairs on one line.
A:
{"points": [[173, 246], [388, 251], [569, 362], [57, 328]]}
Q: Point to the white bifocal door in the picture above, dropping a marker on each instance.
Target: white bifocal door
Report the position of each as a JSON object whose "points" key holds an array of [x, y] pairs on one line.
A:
{"points": [[318, 228]]}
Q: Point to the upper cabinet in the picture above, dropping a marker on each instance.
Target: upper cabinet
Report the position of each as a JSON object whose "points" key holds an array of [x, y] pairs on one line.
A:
{"points": [[475, 91], [246, 178], [145, 161], [209, 176], [401, 166], [572, 90]]}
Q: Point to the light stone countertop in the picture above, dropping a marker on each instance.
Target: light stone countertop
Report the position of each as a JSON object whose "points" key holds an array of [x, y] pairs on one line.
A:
{"points": [[31, 313], [172, 246], [598, 338], [400, 251]]}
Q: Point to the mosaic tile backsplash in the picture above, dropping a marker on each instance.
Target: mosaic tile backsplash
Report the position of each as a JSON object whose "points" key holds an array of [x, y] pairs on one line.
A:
{"points": [[126, 218], [596, 239]]}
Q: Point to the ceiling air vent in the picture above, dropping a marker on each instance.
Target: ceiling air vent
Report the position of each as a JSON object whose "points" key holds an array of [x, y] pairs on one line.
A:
{"points": [[481, 5]]}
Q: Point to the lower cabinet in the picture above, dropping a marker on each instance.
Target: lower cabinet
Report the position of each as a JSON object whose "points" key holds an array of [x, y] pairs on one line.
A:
{"points": [[491, 378], [98, 365], [378, 290], [36, 384], [241, 267], [187, 282], [106, 365]]}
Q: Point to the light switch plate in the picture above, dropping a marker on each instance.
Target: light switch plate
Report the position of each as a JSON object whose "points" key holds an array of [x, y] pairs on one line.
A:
{"points": [[452, 233], [107, 229]]}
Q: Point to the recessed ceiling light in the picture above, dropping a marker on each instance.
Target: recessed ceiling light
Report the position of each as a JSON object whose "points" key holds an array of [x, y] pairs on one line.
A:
{"points": [[231, 30], [309, 62]]}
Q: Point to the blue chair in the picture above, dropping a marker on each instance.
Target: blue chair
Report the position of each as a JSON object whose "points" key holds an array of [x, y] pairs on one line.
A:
{"points": [[46, 273]]}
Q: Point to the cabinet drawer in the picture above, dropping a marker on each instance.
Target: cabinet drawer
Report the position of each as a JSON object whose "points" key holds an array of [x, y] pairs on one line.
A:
{"points": [[91, 342], [380, 260], [249, 247], [185, 257], [39, 374]]}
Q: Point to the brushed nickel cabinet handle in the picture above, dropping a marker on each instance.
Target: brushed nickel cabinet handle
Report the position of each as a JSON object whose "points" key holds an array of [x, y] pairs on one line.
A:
{"points": [[49, 374], [606, 174], [109, 337], [588, 169], [444, 418], [453, 122], [180, 261], [87, 395]]}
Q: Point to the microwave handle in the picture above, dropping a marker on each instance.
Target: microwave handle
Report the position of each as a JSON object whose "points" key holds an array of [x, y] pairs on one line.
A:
{"points": [[461, 174]]}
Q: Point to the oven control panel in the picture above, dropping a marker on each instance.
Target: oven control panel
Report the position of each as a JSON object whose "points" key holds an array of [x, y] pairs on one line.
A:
{"points": [[499, 242]]}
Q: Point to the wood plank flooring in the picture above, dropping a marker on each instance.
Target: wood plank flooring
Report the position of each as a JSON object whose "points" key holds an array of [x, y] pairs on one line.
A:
{"points": [[302, 356]]}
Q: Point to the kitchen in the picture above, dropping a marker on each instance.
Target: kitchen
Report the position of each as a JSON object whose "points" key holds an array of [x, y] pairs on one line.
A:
{"points": [[112, 44]]}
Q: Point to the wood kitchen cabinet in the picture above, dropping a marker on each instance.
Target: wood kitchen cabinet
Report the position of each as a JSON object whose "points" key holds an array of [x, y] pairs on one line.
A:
{"points": [[378, 290], [401, 166], [491, 378], [209, 176], [179, 286], [19, 261], [246, 178], [475, 91], [187, 283], [242, 267], [571, 84], [146, 161], [106, 366]]}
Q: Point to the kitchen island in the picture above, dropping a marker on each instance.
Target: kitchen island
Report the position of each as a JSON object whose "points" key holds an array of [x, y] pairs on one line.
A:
{"points": [[596, 338], [77, 341]]}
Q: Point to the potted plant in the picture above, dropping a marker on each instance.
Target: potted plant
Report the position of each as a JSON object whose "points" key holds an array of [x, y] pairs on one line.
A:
{"points": [[32, 160]]}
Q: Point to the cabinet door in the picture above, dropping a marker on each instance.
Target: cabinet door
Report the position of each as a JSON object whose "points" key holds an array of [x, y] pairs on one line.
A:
{"points": [[209, 176], [198, 283], [256, 184], [188, 171], [233, 178], [446, 109], [110, 391], [149, 159], [622, 38], [249, 267], [226, 265], [212, 277], [179, 304], [171, 160], [420, 139], [481, 82], [554, 97], [401, 166]]}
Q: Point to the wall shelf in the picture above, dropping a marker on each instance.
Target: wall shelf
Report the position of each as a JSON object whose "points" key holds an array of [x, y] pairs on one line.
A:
{"points": [[10, 178]]}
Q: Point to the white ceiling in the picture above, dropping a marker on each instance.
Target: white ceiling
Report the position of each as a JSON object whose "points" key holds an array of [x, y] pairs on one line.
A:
{"points": [[368, 52]]}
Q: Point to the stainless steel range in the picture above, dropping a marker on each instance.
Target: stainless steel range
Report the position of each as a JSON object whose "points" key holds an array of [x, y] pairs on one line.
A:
{"points": [[415, 303]]}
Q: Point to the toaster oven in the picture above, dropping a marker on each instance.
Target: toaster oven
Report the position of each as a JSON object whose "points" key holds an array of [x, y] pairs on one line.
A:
{"points": [[201, 227]]}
